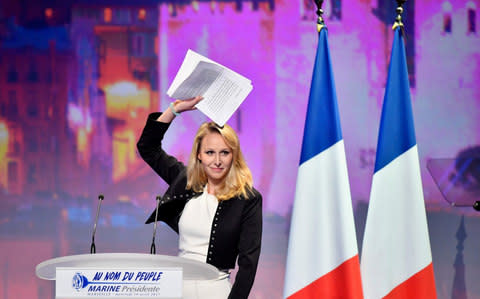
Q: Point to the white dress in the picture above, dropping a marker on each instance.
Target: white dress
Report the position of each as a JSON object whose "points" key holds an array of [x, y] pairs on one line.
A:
{"points": [[194, 229]]}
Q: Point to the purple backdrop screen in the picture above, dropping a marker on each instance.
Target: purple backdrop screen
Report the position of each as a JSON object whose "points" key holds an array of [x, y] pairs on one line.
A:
{"points": [[78, 80]]}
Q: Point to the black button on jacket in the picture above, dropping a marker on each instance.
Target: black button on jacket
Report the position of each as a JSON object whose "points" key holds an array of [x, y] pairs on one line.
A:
{"points": [[237, 226]]}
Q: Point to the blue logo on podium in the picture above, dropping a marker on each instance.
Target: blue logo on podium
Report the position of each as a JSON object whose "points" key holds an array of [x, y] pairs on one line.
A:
{"points": [[79, 281]]}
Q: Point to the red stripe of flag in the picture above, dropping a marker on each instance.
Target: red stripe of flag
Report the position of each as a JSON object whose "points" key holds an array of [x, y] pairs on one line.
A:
{"points": [[419, 286], [333, 284]]}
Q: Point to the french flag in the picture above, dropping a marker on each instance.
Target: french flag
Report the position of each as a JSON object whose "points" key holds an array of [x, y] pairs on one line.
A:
{"points": [[396, 257], [322, 258]]}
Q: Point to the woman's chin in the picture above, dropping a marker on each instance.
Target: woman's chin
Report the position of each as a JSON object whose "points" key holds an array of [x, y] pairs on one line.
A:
{"points": [[216, 177]]}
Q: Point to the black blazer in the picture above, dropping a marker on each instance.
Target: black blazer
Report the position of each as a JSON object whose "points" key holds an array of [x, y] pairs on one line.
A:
{"points": [[237, 227]]}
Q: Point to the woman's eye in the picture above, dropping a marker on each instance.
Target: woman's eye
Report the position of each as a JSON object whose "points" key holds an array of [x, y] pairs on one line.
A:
{"points": [[225, 153], [209, 152]]}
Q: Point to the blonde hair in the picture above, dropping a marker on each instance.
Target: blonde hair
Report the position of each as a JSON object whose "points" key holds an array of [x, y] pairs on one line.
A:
{"points": [[237, 182]]}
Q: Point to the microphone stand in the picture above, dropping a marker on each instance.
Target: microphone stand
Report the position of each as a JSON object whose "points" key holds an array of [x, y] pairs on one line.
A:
{"points": [[92, 246], [153, 249]]}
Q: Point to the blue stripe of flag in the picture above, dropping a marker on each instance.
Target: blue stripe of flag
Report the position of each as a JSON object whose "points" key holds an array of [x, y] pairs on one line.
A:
{"points": [[397, 132], [322, 124]]}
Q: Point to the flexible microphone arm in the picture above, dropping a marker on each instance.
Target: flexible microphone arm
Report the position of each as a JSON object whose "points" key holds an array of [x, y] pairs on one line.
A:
{"points": [[153, 249], [92, 246]]}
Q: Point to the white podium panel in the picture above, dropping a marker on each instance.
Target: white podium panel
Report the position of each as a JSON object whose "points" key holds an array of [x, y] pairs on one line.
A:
{"points": [[122, 275], [118, 283]]}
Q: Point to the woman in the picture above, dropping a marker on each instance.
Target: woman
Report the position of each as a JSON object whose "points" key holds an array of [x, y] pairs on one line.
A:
{"points": [[211, 203]]}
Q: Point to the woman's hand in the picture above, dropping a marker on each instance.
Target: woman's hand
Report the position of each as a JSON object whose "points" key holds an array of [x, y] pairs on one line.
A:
{"points": [[186, 105], [179, 106]]}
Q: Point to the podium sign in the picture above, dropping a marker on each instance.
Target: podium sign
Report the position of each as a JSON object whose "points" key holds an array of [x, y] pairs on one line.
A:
{"points": [[118, 283], [130, 275]]}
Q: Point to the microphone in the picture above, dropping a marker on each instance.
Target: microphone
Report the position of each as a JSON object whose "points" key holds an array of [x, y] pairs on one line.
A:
{"points": [[153, 249], [92, 246], [476, 205]]}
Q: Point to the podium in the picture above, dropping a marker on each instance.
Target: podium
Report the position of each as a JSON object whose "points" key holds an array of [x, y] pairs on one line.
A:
{"points": [[458, 179], [123, 271]]}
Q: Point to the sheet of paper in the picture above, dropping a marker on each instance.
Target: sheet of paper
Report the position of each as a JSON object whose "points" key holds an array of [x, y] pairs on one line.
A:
{"points": [[223, 98], [223, 90], [202, 77]]}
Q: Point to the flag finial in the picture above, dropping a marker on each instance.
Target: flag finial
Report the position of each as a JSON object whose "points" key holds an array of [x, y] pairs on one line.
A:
{"points": [[320, 21], [398, 19]]}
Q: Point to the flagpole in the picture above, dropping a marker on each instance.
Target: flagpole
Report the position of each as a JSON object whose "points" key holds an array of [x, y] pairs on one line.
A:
{"points": [[320, 21], [400, 11], [398, 20]]}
